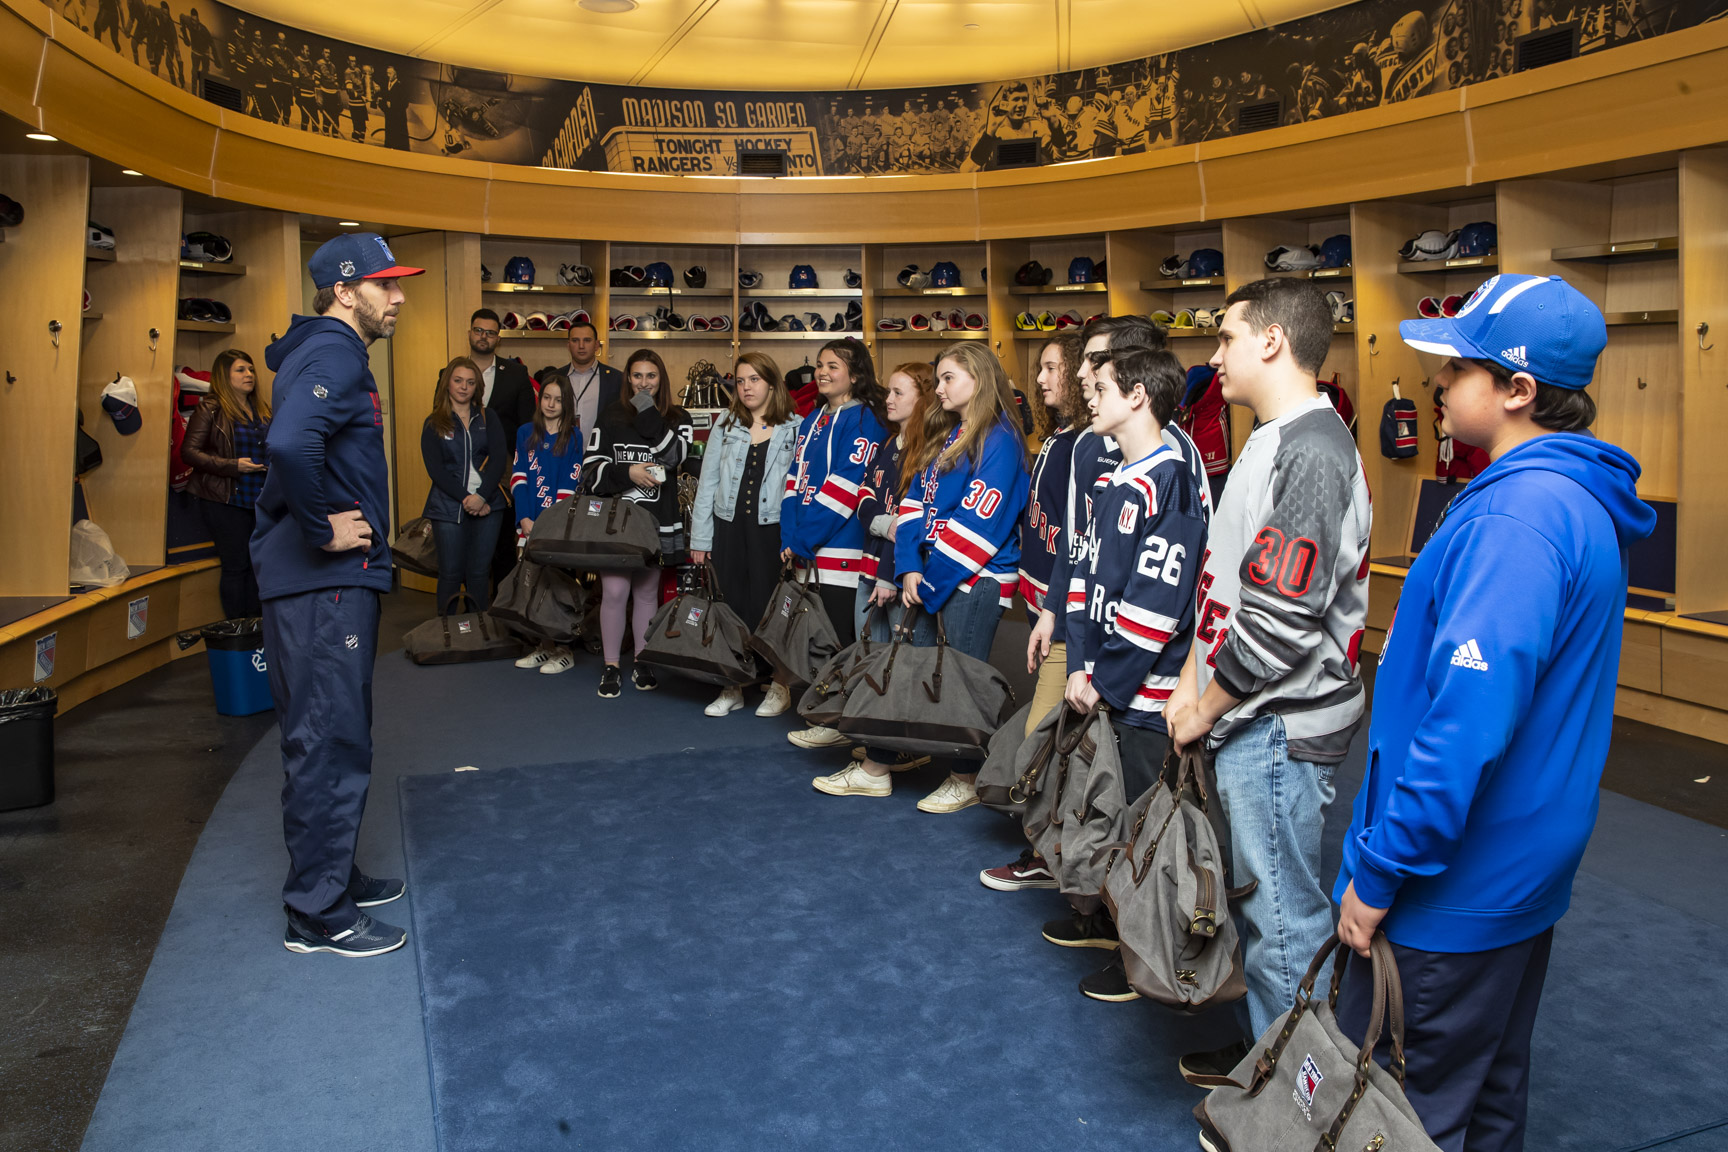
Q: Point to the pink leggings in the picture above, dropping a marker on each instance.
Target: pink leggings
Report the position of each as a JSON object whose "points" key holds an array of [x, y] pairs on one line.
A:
{"points": [[615, 588]]}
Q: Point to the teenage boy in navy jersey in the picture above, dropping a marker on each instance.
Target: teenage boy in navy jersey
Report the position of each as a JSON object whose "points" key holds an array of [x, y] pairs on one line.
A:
{"points": [[1130, 599], [1492, 708]]}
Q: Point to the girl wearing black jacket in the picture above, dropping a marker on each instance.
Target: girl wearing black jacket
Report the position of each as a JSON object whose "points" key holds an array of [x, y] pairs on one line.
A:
{"points": [[463, 447], [635, 451]]}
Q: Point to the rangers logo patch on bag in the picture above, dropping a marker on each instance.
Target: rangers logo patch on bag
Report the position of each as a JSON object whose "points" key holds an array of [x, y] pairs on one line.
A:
{"points": [[1307, 1082], [595, 507], [694, 616], [464, 626], [786, 607]]}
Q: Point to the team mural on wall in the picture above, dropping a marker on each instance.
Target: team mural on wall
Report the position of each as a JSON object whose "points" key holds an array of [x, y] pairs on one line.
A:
{"points": [[1358, 56]]}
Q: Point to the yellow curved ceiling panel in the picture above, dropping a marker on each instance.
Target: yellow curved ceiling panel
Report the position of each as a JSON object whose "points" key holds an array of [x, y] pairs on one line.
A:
{"points": [[783, 45]]}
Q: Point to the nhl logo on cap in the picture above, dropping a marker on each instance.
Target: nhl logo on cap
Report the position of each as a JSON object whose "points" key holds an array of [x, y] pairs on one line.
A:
{"points": [[347, 267]]}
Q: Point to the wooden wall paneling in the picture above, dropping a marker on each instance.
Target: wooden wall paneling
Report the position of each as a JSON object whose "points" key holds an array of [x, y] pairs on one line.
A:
{"points": [[1641, 657], [1702, 569], [1534, 217], [1383, 298], [1667, 712], [108, 637], [1159, 189], [1009, 343], [41, 280], [1134, 256], [844, 210], [597, 254], [135, 293], [1643, 420], [18, 658], [422, 345], [1695, 668], [200, 598], [1644, 208]]}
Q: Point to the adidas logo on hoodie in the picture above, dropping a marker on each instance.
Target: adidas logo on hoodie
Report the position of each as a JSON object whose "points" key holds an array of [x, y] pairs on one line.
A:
{"points": [[1469, 656]]}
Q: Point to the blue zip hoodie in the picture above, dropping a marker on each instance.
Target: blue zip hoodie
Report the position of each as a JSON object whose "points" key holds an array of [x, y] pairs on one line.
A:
{"points": [[326, 455], [1494, 701]]}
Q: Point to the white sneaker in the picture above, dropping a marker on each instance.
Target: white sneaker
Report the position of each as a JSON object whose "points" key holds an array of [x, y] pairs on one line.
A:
{"points": [[729, 700], [778, 699], [817, 736], [562, 662], [535, 658], [951, 795], [852, 780]]}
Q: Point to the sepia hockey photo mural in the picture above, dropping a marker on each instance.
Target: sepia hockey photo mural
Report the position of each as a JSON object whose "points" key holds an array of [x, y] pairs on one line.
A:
{"points": [[1358, 56]]}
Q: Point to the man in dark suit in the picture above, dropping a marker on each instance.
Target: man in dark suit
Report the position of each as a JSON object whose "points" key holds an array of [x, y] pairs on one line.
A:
{"points": [[506, 393], [593, 384]]}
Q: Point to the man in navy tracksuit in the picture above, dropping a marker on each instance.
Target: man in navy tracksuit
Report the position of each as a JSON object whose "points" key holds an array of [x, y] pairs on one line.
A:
{"points": [[321, 553], [1492, 709]]}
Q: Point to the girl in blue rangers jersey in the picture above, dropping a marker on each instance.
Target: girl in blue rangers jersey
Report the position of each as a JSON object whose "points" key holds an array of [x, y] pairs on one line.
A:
{"points": [[836, 442], [548, 469], [956, 540]]}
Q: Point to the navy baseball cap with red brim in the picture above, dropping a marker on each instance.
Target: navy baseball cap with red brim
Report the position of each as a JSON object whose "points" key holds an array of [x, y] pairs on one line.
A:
{"points": [[356, 256]]}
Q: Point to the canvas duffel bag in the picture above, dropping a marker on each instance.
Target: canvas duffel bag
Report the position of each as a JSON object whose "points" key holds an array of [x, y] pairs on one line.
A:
{"points": [[416, 548], [825, 699], [540, 602], [1081, 743], [1305, 1087], [595, 534], [696, 634], [1015, 774], [795, 634], [1087, 810], [461, 638], [930, 701], [1165, 887]]}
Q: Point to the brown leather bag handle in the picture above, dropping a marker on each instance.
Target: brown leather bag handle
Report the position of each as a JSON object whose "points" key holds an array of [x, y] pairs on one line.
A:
{"points": [[612, 516]]}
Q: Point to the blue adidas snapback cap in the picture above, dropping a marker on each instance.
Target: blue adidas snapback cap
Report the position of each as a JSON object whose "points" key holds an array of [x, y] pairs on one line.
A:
{"points": [[356, 256], [1536, 324]]}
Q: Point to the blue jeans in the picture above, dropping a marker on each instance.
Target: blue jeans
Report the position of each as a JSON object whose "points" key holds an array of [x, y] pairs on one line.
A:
{"points": [[969, 618], [1276, 807], [465, 557]]}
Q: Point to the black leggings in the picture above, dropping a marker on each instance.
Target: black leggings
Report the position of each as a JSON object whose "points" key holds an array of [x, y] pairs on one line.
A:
{"points": [[839, 602], [231, 531]]}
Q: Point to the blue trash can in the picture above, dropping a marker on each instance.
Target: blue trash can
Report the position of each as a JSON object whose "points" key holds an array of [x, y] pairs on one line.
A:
{"points": [[239, 673]]}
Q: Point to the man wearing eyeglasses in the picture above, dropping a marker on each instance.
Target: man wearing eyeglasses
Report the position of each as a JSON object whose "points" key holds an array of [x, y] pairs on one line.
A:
{"points": [[507, 393]]}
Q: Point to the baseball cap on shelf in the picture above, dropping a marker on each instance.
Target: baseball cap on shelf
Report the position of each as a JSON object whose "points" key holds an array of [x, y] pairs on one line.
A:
{"points": [[1292, 258], [120, 401], [1536, 324], [356, 256], [1335, 251]]}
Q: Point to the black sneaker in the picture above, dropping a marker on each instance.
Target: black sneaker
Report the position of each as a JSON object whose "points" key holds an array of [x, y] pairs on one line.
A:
{"points": [[1210, 1069], [643, 677], [1092, 930], [367, 937], [611, 681], [370, 892], [1111, 983]]}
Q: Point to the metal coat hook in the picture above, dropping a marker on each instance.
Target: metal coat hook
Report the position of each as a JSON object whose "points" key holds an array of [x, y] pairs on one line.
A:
{"points": [[1703, 330], [155, 335], [54, 332], [10, 379], [1372, 340], [1642, 383]]}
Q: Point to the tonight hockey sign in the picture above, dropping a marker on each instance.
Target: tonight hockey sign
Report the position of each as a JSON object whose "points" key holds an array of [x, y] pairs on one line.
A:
{"points": [[706, 151]]}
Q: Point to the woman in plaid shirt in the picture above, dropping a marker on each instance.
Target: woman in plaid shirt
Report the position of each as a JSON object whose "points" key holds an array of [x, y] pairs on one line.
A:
{"points": [[224, 446]]}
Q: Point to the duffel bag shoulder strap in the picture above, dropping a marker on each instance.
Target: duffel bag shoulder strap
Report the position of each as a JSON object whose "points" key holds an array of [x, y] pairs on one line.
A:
{"points": [[1388, 1002], [444, 614]]}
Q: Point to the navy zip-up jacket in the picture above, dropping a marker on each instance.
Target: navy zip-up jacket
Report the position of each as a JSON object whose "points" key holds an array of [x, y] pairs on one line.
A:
{"points": [[326, 455]]}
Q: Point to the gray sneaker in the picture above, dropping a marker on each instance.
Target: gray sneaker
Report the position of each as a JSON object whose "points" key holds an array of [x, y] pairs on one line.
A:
{"points": [[366, 937]]}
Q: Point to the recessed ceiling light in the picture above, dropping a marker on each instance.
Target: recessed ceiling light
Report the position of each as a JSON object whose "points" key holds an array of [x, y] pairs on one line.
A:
{"points": [[607, 5], [42, 136], [347, 223], [130, 172]]}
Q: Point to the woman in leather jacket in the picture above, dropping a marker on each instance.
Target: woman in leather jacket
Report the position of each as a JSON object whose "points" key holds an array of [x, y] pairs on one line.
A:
{"points": [[224, 446]]}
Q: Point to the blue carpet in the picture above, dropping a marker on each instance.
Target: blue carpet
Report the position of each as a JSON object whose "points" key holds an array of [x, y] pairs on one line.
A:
{"points": [[651, 954]]}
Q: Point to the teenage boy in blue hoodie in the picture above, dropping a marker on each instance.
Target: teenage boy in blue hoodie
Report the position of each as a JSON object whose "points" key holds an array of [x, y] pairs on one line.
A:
{"points": [[322, 555], [1492, 709]]}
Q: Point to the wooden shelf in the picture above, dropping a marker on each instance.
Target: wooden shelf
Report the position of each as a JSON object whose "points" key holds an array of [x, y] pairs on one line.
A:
{"points": [[744, 337], [943, 337], [1185, 282], [91, 316], [103, 254], [1343, 326], [1655, 246], [1658, 316], [801, 293], [662, 334], [532, 334], [726, 292], [210, 268], [900, 292], [201, 326], [1343, 273], [1059, 289], [548, 289], [1191, 333], [1456, 264]]}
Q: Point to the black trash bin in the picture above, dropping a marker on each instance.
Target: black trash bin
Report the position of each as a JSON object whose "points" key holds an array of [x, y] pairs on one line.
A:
{"points": [[26, 747]]}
